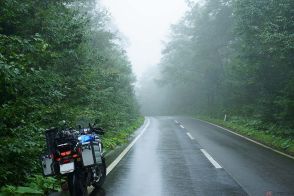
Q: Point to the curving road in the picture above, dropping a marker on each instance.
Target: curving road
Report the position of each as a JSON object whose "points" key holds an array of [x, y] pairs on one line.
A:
{"points": [[184, 156]]}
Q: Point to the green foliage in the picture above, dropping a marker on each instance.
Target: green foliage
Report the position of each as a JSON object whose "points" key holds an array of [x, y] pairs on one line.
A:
{"points": [[36, 185], [233, 57], [195, 58], [263, 29], [116, 138], [21, 190], [58, 60]]}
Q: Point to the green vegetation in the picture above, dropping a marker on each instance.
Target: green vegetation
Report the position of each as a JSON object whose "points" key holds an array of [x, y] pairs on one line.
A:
{"points": [[113, 139], [59, 60], [270, 135], [35, 185], [231, 57]]}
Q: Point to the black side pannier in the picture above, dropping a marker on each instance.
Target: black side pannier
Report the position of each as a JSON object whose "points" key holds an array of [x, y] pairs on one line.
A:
{"points": [[47, 161]]}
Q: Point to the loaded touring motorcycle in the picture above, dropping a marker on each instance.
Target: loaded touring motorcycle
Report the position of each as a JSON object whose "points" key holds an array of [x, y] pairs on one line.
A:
{"points": [[77, 155]]}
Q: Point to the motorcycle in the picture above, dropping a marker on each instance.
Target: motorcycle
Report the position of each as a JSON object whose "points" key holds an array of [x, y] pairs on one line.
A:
{"points": [[77, 155]]}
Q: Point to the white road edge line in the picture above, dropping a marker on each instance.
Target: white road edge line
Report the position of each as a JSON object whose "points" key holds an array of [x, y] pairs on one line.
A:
{"points": [[126, 150], [213, 162], [246, 138], [182, 126], [190, 136]]}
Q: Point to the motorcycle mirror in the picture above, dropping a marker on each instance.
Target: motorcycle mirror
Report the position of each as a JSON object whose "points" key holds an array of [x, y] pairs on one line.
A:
{"points": [[62, 123]]}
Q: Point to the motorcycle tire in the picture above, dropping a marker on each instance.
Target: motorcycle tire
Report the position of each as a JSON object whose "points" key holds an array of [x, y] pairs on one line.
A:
{"points": [[75, 185], [102, 168]]}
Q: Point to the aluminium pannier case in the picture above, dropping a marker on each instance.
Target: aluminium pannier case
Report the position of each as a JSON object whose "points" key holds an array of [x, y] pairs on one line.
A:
{"points": [[47, 165], [91, 153]]}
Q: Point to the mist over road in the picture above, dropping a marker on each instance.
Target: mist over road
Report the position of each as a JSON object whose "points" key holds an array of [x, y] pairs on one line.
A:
{"points": [[183, 156]]}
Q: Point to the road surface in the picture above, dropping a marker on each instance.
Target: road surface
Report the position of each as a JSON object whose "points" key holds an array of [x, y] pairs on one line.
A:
{"points": [[183, 156]]}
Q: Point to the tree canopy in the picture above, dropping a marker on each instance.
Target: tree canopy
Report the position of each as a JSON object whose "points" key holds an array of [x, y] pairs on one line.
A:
{"points": [[232, 57], [59, 60]]}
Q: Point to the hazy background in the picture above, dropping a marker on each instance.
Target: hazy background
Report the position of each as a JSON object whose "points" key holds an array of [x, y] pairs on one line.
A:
{"points": [[145, 24], [218, 58]]}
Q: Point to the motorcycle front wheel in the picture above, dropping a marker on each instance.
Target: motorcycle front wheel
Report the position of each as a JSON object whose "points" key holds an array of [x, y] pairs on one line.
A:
{"points": [[76, 184]]}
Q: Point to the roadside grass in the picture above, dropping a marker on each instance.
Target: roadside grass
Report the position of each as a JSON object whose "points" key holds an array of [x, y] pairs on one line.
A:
{"points": [[269, 135], [112, 139]]}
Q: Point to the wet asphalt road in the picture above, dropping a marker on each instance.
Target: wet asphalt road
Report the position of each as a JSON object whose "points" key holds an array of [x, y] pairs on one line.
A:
{"points": [[258, 170], [168, 161], [165, 161]]}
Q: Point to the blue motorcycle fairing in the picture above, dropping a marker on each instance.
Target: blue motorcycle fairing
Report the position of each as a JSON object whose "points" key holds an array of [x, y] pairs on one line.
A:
{"points": [[86, 138]]}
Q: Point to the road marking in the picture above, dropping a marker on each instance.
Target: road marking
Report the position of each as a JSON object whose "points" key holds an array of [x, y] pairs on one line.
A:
{"points": [[176, 122], [212, 161], [190, 136], [182, 126], [251, 140], [126, 150]]}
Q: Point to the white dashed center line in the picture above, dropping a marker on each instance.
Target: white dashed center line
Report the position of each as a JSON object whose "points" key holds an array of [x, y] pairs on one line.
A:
{"points": [[182, 126], [213, 162], [190, 136]]}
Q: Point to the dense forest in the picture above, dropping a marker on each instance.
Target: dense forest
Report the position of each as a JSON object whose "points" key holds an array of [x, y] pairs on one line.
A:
{"points": [[59, 60], [229, 57]]}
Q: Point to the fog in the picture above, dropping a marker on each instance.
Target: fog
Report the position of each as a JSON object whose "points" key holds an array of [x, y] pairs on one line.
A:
{"points": [[145, 24], [208, 57]]}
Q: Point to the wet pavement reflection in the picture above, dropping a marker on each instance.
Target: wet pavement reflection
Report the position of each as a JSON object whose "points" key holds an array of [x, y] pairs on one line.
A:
{"points": [[164, 161]]}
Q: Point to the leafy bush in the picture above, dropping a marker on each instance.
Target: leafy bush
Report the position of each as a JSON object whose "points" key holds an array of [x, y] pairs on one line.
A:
{"points": [[36, 185]]}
